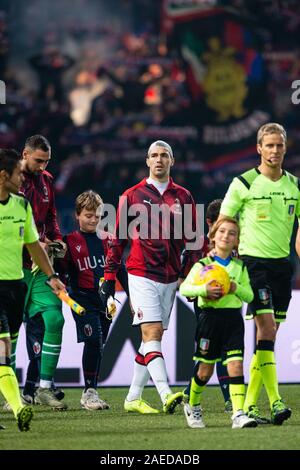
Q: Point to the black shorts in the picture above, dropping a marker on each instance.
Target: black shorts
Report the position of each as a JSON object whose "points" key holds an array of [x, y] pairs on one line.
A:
{"points": [[12, 300], [271, 281], [197, 309], [220, 336], [93, 325]]}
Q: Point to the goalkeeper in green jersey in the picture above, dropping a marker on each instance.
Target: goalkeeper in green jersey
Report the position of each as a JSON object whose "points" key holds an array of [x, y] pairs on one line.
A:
{"points": [[220, 329], [267, 199]]}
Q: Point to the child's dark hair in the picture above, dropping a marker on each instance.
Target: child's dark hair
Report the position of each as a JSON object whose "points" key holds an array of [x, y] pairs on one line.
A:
{"points": [[213, 210], [9, 158]]}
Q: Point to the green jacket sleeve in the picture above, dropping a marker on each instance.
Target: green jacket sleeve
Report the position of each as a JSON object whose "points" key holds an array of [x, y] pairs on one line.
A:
{"points": [[243, 288], [188, 288]]}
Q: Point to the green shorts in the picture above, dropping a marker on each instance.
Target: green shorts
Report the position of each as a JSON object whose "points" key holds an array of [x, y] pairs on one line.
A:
{"points": [[40, 297]]}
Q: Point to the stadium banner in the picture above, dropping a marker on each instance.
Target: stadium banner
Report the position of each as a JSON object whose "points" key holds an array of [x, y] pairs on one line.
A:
{"points": [[178, 347], [227, 82], [181, 10]]}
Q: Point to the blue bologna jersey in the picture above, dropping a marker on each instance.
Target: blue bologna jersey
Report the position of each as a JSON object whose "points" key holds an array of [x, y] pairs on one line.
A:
{"points": [[85, 259]]}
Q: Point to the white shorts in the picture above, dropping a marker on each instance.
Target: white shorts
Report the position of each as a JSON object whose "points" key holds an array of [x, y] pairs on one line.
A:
{"points": [[151, 301]]}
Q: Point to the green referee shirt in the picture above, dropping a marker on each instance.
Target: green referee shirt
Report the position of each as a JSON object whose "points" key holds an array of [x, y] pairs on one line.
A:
{"points": [[267, 211], [237, 272], [16, 228]]}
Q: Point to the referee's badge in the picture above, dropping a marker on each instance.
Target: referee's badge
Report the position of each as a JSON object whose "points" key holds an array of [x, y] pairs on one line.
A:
{"points": [[204, 345], [291, 209], [263, 295]]}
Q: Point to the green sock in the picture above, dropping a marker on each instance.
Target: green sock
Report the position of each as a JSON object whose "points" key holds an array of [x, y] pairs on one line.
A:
{"points": [[9, 388], [267, 365], [50, 354], [13, 339], [255, 384], [196, 392], [237, 395]]}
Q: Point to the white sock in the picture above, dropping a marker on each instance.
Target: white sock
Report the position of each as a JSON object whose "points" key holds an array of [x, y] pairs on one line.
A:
{"points": [[157, 369], [140, 378], [45, 383]]}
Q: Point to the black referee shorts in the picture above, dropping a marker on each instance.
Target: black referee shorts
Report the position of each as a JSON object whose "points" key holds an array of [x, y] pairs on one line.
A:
{"points": [[271, 281], [12, 299], [220, 336]]}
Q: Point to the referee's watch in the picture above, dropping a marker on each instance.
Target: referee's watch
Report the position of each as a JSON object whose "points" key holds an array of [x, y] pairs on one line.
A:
{"points": [[53, 276]]}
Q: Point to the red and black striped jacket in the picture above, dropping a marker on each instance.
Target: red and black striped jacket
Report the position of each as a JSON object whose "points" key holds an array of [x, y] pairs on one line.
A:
{"points": [[155, 258], [39, 191]]}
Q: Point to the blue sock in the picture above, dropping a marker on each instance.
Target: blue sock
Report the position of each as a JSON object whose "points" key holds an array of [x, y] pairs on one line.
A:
{"points": [[223, 378], [32, 377], [91, 359]]}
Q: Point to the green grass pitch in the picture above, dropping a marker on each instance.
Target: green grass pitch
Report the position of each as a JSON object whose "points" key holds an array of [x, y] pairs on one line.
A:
{"points": [[115, 429]]}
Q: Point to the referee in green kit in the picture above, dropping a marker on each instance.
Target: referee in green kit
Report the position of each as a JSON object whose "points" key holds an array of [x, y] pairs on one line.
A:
{"points": [[17, 228], [267, 200]]}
